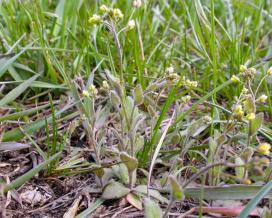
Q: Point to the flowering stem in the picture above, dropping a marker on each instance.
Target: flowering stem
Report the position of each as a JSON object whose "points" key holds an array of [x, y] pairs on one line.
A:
{"points": [[119, 49], [249, 133]]}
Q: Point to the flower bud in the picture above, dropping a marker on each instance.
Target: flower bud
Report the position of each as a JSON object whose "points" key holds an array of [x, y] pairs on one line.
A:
{"points": [[131, 25], [251, 116], [117, 14], [243, 68], [238, 112], [262, 98], [104, 9], [95, 19], [137, 3], [105, 85], [85, 93], [169, 70], [247, 181], [235, 79], [93, 90], [269, 71], [186, 99]]}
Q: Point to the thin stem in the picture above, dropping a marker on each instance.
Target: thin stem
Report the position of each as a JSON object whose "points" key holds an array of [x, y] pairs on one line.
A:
{"points": [[168, 208], [259, 85], [249, 133], [119, 49]]}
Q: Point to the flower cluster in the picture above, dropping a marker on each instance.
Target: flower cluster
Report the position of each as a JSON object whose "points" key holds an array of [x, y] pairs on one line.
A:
{"points": [[105, 12], [190, 84], [248, 73], [105, 85], [185, 99], [91, 92], [95, 19], [238, 112]]}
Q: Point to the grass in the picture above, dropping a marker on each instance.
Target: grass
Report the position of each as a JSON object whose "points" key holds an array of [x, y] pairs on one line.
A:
{"points": [[83, 92]]}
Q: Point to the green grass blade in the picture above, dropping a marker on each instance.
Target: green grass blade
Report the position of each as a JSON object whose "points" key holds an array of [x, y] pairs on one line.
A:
{"points": [[6, 64], [16, 134], [23, 113], [13, 94], [90, 209], [254, 201], [149, 145]]}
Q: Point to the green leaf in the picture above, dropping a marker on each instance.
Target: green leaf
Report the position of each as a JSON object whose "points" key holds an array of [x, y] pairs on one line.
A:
{"points": [[121, 172], [176, 190], [254, 201], [153, 193], [114, 190], [247, 154], [129, 161], [151, 209], [13, 94], [138, 94], [99, 171], [257, 123], [198, 126], [239, 171], [135, 201], [27, 176], [5, 64]]}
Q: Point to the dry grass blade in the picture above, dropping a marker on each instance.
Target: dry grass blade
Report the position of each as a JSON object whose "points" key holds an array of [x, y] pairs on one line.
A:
{"points": [[156, 152]]}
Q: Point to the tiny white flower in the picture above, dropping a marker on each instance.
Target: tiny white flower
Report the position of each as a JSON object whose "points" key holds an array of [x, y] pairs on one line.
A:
{"points": [[85, 93]]}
